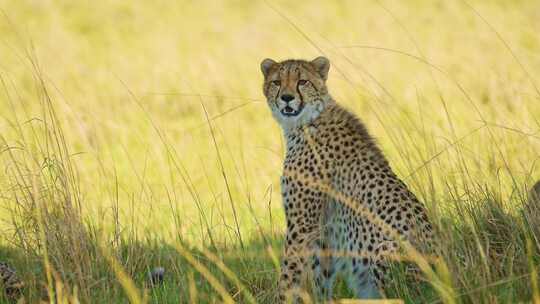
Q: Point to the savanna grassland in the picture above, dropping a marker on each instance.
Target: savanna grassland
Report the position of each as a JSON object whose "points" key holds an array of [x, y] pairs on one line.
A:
{"points": [[135, 135]]}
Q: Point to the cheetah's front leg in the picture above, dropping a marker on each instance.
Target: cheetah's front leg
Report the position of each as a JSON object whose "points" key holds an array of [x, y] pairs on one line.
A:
{"points": [[304, 206], [299, 249]]}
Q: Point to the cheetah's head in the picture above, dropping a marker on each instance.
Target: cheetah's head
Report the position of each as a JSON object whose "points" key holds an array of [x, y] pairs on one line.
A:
{"points": [[296, 90]]}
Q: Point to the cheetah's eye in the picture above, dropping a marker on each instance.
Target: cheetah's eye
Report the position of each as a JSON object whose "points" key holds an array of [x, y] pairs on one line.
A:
{"points": [[276, 82], [302, 82]]}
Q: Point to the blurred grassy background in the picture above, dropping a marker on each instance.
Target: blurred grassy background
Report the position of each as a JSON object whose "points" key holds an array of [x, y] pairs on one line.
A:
{"points": [[448, 88]]}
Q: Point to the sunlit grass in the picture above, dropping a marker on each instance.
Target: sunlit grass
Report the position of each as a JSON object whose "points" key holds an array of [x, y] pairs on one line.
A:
{"points": [[149, 119]]}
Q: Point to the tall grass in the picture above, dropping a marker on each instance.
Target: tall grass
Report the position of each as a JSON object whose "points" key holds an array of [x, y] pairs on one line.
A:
{"points": [[135, 135]]}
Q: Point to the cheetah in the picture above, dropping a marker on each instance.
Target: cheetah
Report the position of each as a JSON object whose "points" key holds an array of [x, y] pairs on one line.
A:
{"points": [[534, 195], [346, 210], [531, 209], [10, 282]]}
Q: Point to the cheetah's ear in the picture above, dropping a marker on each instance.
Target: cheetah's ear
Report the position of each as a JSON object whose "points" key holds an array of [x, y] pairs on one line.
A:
{"points": [[321, 65], [266, 65]]}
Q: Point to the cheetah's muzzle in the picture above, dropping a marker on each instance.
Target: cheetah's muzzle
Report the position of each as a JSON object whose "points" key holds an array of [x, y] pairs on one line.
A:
{"points": [[290, 111]]}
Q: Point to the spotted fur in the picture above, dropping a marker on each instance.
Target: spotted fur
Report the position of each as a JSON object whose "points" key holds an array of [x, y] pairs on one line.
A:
{"points": [[534, 195], [11, 284], [346, 210]]}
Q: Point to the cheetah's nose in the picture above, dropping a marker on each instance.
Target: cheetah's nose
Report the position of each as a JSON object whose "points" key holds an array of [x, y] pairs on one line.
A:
{"points": [[287, 97]]}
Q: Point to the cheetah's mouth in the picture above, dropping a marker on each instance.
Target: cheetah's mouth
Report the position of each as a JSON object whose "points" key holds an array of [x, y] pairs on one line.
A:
{"points": [[290, 111]]}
